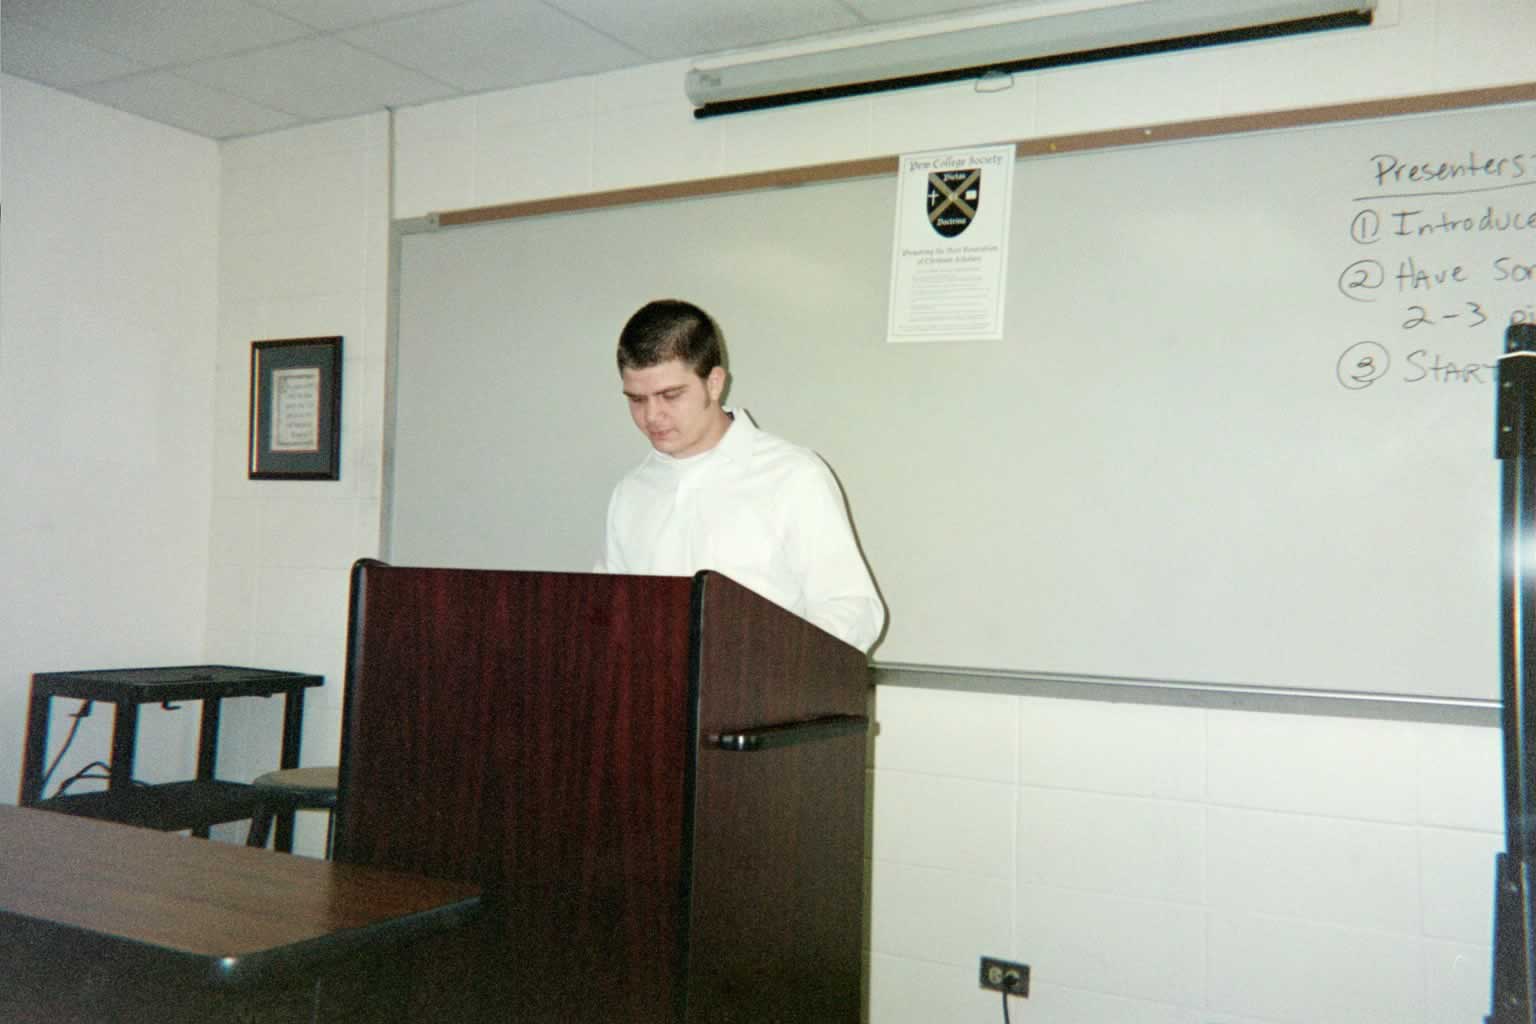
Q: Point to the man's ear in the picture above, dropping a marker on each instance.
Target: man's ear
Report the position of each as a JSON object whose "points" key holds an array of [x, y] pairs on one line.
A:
{"points": [[714, 383]]}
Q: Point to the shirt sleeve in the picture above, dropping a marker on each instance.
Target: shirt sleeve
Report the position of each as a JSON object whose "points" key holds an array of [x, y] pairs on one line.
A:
{"points": [[840, 594]]}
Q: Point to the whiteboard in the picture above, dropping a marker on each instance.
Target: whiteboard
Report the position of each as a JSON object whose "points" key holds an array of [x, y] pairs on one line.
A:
{"points": [[1240, 431]]}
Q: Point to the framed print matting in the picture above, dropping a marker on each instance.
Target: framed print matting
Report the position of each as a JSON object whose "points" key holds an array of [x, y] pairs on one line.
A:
{"points": [[296, 409]]}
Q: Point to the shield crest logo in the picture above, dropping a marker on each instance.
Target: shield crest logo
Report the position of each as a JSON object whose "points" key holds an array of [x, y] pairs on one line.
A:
{"points": [[953, 198]]}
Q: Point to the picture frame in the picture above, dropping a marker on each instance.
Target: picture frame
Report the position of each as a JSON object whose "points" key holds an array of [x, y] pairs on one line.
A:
{"points": [[295, 425]]}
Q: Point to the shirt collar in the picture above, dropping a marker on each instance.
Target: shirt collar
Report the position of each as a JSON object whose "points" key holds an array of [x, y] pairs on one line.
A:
{"points": [[735, 445]]}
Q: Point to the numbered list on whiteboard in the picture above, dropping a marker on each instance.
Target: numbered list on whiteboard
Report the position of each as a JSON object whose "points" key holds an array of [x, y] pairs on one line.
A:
{"points": [[1443, 251], [950, 261]]}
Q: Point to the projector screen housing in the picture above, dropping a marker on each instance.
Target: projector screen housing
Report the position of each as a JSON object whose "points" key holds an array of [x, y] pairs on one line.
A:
{"points": [[1155, 26]]}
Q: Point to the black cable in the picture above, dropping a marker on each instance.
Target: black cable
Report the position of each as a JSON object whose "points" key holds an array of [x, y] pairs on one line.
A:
{"points": [[84, 774], [85, 709], [1005, 1008]]}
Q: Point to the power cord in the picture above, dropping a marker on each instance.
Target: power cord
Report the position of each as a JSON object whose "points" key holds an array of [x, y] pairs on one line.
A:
{"points": [[101, 768], [83, 712], [1005, 1008], [84, 775]]}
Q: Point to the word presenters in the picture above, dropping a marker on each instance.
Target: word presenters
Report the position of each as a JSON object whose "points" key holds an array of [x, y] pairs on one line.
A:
{"points": [[949, 267], [1442, 252]]}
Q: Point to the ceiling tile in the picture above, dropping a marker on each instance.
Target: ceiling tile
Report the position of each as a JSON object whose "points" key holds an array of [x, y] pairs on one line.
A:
{"points": [[881, 11], [331, 15], [237, 67], [665, 29], [162, 96], [493, 44], [318, 79], [53, 60], [159, 32]]}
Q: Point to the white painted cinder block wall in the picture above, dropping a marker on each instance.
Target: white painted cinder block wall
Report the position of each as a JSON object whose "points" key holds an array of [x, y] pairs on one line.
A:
{"points": [[304, 249], [1154, 864], [110, 238]]}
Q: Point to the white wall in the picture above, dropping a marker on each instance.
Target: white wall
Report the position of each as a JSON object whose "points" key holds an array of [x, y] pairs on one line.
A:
{"points": [[106, 373], [1162, 864], [1154, 864], [303, 253]]}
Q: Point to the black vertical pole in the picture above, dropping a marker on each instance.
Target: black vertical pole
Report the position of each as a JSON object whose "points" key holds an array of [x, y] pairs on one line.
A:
{"points": [[1514, 909], [207, 749]]}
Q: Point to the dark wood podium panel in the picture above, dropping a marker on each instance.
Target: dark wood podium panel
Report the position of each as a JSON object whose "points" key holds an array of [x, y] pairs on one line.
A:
{"points": [[776, 928], [658, 782]]}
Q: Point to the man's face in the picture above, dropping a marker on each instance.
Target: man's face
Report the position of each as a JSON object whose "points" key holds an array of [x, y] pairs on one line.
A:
{"points": [[677, 410]]}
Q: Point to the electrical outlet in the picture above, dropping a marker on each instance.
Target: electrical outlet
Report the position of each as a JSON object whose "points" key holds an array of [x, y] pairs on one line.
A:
{"points": [[1004, 976]]}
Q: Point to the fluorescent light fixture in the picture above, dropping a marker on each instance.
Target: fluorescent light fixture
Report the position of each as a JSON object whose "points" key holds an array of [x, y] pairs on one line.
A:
{"points": [[1150, 26]]}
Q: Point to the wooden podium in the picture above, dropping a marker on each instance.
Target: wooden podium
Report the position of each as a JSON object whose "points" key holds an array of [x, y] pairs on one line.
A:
{"points": [[658, 782]]}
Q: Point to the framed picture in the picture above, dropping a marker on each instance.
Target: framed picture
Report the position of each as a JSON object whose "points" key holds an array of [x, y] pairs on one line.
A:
{"points": [[296, 409]]}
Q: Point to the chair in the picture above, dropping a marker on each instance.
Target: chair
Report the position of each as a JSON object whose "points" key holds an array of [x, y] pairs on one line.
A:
{"points": [[293, 789]]}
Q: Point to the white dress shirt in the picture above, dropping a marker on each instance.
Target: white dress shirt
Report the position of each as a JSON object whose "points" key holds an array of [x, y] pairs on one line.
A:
{"points": [[758, 509]]}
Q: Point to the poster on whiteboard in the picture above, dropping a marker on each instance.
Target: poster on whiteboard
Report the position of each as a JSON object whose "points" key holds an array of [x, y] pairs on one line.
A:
{"points": [[949, 264]]}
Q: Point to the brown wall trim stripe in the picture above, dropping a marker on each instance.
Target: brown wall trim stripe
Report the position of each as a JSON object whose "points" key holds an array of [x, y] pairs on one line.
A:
{"points": [[1172, 132]]}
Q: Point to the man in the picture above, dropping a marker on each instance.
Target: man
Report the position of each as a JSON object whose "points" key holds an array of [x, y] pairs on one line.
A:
{"points": [[717, 493]]}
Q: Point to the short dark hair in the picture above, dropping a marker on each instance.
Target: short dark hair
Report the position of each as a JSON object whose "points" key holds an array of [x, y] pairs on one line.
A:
{"points": [[669, 329]]}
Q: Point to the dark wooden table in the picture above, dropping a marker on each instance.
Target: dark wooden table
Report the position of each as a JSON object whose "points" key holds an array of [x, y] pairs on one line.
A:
{"points": [[105, 922], [193, 804]]}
